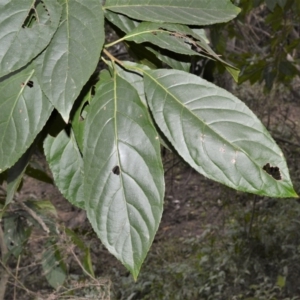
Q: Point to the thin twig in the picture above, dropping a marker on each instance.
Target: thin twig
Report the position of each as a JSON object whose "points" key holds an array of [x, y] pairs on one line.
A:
{"points": [[112, 58], [18, 282]]}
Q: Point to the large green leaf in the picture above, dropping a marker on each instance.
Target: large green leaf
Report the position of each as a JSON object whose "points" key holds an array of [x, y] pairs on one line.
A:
{"points": [[123, 183], [66, 164], [73, 53], [21, 41], [191, 12], [173, 60], [24, 110], [216, 133]]}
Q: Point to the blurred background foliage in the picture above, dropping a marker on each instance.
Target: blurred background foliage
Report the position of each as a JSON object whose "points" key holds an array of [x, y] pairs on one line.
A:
{"points": [[263, 41]]}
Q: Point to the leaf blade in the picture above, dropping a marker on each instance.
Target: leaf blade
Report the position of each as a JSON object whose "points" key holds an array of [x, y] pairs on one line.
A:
{"points": [[153, 33], [20, 44], [123, 173], [69, 61], [24, 111], [216, 133], [66, 164], [188, 12]]}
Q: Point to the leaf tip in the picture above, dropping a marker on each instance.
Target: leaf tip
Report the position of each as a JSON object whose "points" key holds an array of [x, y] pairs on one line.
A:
{"points": [[134, 274]]}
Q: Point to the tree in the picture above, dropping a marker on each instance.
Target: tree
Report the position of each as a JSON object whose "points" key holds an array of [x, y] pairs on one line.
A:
{"points": [[101, 130]]}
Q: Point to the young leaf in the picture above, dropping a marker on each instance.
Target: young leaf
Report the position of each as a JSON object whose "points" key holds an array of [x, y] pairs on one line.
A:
{"points": [[78, 118], [66, 164], [216, 133], [24, 110], [73, 53], [199, 41], [20, 43], [188, 12], [175, 61], [123, 183]]}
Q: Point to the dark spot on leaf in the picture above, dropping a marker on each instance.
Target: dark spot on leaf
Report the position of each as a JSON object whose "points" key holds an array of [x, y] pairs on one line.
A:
{"points": [[29, 83], [30, 19], [273, 171], [116, 170]]}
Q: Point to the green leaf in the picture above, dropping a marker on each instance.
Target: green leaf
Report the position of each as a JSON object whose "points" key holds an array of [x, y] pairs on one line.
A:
{"points": [[15, 234], [153, 33], [79, 116], [200, 33], [189, 12], [287, 68], [123, 183], [177, 38], [43, 208], [135, 78], [24, 110], [122, 22], [216, 133], [53, 265], [20, 43], [73, 53], [174, 60], [66, 164], [143, 55], [15, 175]]}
